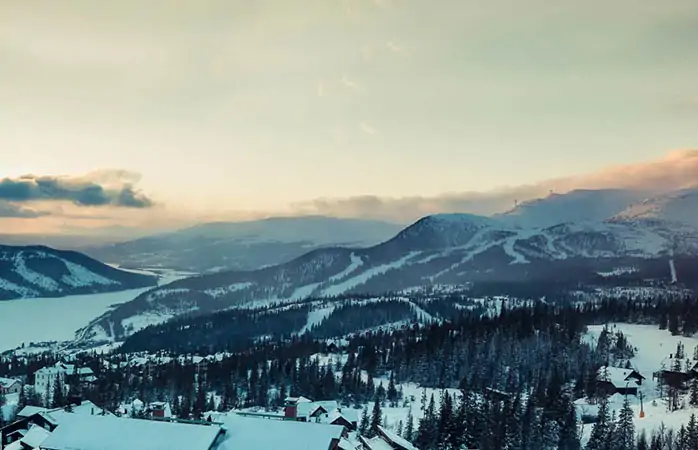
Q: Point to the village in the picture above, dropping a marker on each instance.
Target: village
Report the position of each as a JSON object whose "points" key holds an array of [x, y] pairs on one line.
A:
{"points": [[658, 379], [303, 424]]}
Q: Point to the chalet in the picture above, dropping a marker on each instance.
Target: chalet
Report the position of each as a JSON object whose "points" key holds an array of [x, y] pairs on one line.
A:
{"points": [[10, 386], [253, 433], [616, 380], [346, 418], [316, 411], [16, 433], [676, 371], [66, 374], [291, 406], [395, 441], [159, 410], [118, 433]]}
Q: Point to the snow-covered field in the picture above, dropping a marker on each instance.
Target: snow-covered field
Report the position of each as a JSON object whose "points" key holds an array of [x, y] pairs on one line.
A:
{"points": [[56, 319], [653, 346]]}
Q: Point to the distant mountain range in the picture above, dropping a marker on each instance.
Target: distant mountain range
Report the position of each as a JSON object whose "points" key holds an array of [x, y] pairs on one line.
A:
{"points": [[221, 246], [44, 272], [562, 242]]}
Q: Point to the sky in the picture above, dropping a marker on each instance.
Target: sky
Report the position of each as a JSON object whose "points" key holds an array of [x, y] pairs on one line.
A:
{"points": [[148, 114]]}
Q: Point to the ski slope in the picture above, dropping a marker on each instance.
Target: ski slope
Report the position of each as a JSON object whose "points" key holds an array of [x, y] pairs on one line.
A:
{"points": [[653, 346]]}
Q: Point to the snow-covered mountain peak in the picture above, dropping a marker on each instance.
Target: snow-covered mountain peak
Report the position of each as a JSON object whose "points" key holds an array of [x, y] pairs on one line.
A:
{"points": [[444, 230], [680, 207], [582, 205]]}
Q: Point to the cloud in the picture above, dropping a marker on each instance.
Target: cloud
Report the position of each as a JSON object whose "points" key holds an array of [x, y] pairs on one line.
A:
{"points": [[9, 210], [678, 170], [103, 188]]}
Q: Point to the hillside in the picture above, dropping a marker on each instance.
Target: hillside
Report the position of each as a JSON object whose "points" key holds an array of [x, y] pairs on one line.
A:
{"points": [[27, 272], [220, 246], [452, 249]]}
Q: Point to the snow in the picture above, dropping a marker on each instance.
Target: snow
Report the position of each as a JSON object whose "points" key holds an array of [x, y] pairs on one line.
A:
{"points": [[35, 436], [32, 276], [218, 292], [363, 277], [304, 292], [396, 439], [356, 262], [376, 443], [653, 347], [617, 272], [83, 432], [6, 285], [316, 317], [252, 433], [53, 319], [509, 250], [81, 277]]}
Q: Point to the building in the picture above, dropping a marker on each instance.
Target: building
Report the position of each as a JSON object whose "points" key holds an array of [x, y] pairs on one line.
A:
{"points": [[70, 430], [291, 406], [616, 380], [159, 410], [255, 433], [677, 372], [118, 433], [67, 374], [10, 386]]}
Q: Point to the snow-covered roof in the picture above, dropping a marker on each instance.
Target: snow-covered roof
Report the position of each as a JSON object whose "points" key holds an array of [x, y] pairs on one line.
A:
{"points": [[308, 408], [251, 433], [345, 444], [35, 436], [300, 399], [79, 432], [617, 376], [85, 371], [376, 443], [7, 382], [349, 416], [29, 411], [16, 445], [395, 439], [51, 370], [88, 408]]}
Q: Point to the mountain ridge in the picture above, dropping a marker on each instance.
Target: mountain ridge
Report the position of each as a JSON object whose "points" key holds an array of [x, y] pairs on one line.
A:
{"points": [[220, 246], [41, 271]]}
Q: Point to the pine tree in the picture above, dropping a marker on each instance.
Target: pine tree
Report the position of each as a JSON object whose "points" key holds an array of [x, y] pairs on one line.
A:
{"points": [[693, 397], [692, 431], [428, 430], [409, 426], [569, 435], [601, 429], [364, 422], [399, 429], [642, 443], [58, 398], [625, 428], [392, 391], [423, 401], [376, 417]]}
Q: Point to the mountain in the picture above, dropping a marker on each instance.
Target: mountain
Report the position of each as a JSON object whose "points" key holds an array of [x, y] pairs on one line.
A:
{"points": [[44, 272], [580, 205], [219, 246], [487, 254], [679, 207]]}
